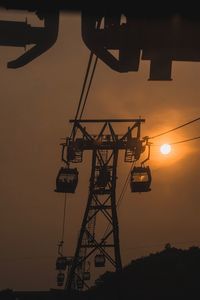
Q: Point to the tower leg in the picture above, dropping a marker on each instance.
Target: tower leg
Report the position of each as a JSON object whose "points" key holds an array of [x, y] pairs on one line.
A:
{"points": [[101, 205]]}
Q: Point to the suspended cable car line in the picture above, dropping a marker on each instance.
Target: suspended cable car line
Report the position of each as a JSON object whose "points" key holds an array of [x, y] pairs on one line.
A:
{"points": [[60, 245], [89, 85], [84, 86], [82, 91], [188, 140], [76, 117], [129, 175], [124, 187], [67, 187], [64, 218], [67, 178], [121, 196], [173, 129], [179, 142]]}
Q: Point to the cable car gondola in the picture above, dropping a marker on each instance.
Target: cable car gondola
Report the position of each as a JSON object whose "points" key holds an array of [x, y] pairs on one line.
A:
{"points": [[61, 263], [140, 180], [60, 279], [67, 180], [86, 275], [79, 284], [99, 260]]}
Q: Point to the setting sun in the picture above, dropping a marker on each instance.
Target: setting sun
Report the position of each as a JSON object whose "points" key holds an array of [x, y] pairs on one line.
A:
{"points": [[165, 149]]}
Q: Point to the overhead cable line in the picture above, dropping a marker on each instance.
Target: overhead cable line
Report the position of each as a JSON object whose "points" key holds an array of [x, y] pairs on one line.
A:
{"points": [[89, 85], [173, 129], [82, 92], [64, 217], [60, 245], [179, 142], [77, 116], [84, 85], [121, 195], [184, 141], [81, 106]]}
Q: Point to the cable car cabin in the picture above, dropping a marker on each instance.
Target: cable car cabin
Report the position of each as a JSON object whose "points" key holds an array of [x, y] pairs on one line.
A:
{"points": [[140, 180], [61, 263], [79, 284], [67, 180], [60, 279], [99, 260], [86, 276]]}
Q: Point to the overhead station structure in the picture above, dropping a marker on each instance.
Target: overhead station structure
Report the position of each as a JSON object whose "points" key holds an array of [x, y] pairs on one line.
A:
{"points": [[35, 40], [123, 40], [120, 36], [93, 246]]}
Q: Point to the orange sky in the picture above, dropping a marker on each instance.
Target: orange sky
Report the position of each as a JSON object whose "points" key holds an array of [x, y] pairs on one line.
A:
{"points": [[36, 103]]}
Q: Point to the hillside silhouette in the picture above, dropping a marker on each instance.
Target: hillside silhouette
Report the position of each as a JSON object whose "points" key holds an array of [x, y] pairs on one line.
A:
{"points": [[169, 274]]}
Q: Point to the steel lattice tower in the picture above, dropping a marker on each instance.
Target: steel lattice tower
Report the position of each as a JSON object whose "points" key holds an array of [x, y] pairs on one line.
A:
{"points": [[105, 148]]}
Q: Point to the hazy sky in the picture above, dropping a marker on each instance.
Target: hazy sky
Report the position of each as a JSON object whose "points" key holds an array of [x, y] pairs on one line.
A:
{"points": [[36, 103]]}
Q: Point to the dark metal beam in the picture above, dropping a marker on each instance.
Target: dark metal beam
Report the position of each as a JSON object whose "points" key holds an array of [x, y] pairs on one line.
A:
{"points": [[108, 120]]}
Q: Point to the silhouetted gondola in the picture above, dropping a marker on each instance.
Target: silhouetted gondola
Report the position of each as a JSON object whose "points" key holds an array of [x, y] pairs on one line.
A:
{"points": [[140, 180], [99, 260], [79, 284], [61, 263], [67, 180], [86, 276], [60, 279]]}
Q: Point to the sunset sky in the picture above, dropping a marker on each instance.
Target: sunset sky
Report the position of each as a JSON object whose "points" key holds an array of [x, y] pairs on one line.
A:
{"points": [[37, 102]]}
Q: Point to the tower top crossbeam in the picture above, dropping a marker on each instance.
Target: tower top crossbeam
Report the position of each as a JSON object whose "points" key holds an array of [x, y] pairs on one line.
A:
{"points": [[108, 120]]}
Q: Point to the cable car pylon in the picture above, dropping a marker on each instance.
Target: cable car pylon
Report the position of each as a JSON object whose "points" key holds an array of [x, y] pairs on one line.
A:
{"points": [[101, 208]]}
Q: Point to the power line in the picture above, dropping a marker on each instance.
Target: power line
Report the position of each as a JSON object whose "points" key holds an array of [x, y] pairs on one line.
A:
{"points": [[173, 129]]}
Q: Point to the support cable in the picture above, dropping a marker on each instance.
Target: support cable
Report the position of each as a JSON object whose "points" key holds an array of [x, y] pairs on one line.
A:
{"points": [[179, 142], [123, 191], [60, 245], [64, 218], [121, 196], [173, 129], [89, 85], [84, 87], [184, 141], [82, 92]]}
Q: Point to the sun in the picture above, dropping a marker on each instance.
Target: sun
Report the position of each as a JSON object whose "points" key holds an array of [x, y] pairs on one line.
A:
{"points": [[165, 149]]}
